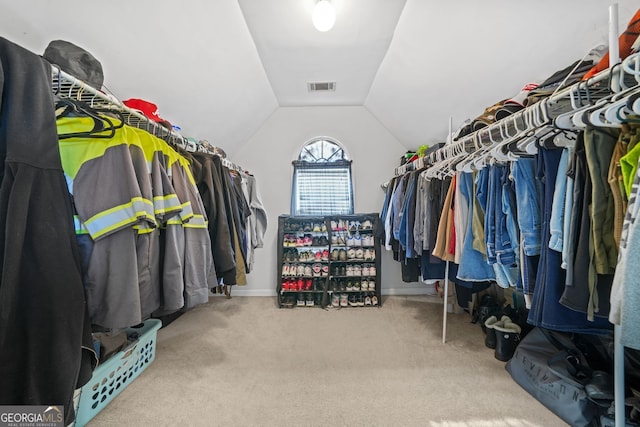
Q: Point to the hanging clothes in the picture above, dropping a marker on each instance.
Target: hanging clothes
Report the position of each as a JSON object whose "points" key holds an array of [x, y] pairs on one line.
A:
{"points": [[546, 310], [45, 344], [257, 220]]}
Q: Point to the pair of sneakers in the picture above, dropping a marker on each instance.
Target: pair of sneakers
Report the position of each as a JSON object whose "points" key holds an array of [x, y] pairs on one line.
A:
{"points": [[368, 240], [368, 284]]}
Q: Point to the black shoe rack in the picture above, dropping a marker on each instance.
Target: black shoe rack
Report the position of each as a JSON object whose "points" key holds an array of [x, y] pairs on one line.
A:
{"points": [[328, 261]]}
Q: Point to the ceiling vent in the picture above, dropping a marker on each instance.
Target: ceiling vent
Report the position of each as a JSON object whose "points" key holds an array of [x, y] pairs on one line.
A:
{"points": [[321, 86]]}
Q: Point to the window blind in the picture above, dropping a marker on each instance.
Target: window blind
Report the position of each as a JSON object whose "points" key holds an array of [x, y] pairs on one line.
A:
{"points": [[322, 188]]}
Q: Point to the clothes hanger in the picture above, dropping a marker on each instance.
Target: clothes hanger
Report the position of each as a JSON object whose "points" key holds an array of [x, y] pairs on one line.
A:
{"points": [[465, 165], [103, 126]]}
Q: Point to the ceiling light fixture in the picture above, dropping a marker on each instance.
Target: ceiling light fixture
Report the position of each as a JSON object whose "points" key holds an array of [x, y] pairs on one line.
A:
{"points": [[324, 16]]}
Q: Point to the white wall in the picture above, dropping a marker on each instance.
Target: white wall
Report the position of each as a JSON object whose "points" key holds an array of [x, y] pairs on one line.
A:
{"points": [[268, 155]]}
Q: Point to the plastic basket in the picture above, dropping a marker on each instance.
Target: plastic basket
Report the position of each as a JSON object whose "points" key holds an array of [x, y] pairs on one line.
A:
{"points": [[114, 375]]}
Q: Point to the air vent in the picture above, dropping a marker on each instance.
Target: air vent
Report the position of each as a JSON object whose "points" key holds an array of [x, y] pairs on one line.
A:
{"points": [[321, 86]]}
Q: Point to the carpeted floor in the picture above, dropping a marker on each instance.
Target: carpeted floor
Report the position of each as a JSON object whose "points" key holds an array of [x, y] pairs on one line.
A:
{"points": [[244, 362]]}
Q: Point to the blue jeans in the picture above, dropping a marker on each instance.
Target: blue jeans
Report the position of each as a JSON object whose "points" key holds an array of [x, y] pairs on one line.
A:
{"points": [[528, 204], [500, 250], [473, 265]]}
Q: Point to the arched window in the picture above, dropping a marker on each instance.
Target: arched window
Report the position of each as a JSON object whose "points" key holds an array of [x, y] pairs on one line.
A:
{"points": [[322, 180]]}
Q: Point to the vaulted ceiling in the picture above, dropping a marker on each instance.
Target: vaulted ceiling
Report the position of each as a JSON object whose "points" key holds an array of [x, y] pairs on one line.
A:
{"points": [[220, 68]]}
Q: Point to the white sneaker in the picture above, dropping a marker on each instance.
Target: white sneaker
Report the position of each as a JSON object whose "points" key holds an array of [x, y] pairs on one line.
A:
{"points": [[349, 270], [364, 285], [366, 270], [351, 253], [372, 270], [367, 254], [367, 225], [357, 270], [344, 300], [372, 284], [359, 253], [357, 239], [350, 240]]}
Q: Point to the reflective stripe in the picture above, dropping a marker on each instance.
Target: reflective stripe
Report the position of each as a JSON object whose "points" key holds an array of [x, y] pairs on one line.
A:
{"points": [[174, 221], [166, 204], [119, 217], [197, 221], [187, 212], [141, 204], [143, 230], [79, 226]]}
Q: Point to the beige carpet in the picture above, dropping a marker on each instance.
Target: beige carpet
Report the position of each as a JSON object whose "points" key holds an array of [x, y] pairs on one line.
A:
{"points": [[244, 362]]}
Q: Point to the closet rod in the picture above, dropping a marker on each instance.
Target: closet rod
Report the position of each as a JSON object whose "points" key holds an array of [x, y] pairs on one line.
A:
{"points": [[483, 138], [67, 86]]}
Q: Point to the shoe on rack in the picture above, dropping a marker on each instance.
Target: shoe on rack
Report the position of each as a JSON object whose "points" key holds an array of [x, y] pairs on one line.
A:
{"points": [[317, 269], [334, 255], [350, 240], [370, 240], [325, 255], [344, 300], [309, 300], [365, 270], [356, 285], [364, 284], [372, 270], [342, 285], [366, 224], [349, 270], [357, 239], [360, 300], [325, 270], [301, 302], [374, 300], [285, 269], [372, 284], [351, 253], [334, 239], [308, 284], [349, 286], [357, 270], [359, 253], [323, 241], [323, 227], [353, 300], [300, 241], [367, 254], [342, 255], [307, 227], [335, 300], [367, 300], [316, 227]]}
